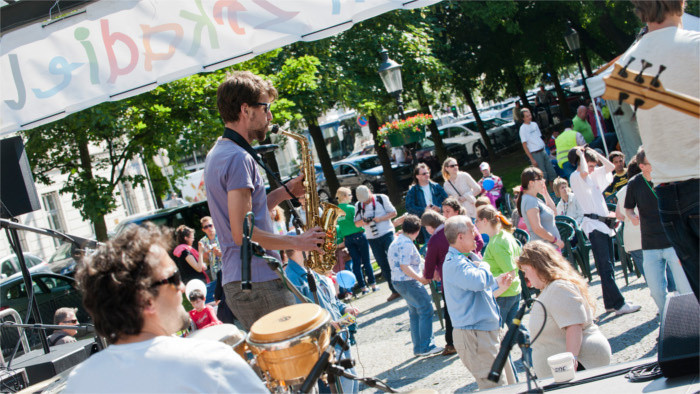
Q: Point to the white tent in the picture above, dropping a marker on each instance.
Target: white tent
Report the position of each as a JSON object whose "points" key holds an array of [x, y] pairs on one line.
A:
{"points": [[110, 50]]}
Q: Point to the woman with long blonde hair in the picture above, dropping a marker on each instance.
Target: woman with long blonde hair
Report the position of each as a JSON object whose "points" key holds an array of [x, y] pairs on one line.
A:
{"points": [[460, 185], [566, 322]]}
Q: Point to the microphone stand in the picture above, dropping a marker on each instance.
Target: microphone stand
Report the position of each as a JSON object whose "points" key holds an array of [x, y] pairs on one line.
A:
{"points": [[526, 358]]}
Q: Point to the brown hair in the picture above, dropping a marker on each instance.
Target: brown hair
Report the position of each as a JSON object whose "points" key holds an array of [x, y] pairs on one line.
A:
{"points": [[278, 214], [550, 265], [115, 280], [529, 174], [455, 205], [205, 219], [481, 201], [587, 154], [656, 11], [445, 174], [417, 170], [633, 168], [181, 233], [614, 154], [432, 219], [241, 87], [494, 217], [411, 224], [641, 156]]}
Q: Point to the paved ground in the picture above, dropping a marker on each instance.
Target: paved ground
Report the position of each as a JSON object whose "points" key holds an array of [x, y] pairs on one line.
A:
{"points": [[384, 348]]}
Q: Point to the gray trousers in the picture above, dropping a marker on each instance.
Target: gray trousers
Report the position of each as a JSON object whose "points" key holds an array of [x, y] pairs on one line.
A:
{"points": [[265, 297]]}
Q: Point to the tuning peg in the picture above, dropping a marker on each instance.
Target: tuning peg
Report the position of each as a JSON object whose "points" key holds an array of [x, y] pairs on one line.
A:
{"points": [[622, 97], [637, 103], [623, 72], [639, 78], [655, 82]]}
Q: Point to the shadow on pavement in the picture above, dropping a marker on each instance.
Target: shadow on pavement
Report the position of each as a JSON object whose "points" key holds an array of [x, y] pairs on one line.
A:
{"points": [[617, 343], [385, 315], [414, 369]]}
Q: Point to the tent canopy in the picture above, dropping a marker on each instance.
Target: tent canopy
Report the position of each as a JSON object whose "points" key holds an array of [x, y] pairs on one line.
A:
{"points": [[111, 50]]}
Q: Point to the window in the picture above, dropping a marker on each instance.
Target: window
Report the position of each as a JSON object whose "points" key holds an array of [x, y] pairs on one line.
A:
{"points": [[54, 214], [128, 198]]}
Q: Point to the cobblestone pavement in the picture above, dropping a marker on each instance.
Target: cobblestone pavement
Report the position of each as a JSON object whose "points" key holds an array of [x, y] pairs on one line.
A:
{"points": [[384, 349]]}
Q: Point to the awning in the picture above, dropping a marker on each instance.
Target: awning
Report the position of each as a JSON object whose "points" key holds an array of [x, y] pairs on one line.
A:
{"points": [[111, 50]]}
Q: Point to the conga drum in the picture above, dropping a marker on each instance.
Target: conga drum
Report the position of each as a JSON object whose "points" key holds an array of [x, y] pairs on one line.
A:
{"points": [[287, 343], [226, 333]]}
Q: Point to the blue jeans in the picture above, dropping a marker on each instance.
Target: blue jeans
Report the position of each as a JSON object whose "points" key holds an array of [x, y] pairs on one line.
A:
{"points": [[602, 247], [380, 247], [420, 312], [638, 257], [679, 208], [664, 274], [359, 253], [508, 308]]}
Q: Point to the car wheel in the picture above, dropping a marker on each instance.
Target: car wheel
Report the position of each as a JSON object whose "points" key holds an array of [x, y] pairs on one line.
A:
{"points": [[479, 151], [323, 196], [369, 185]]}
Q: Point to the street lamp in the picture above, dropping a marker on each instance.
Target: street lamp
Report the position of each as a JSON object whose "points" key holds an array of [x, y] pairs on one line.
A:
{"points": [[390, 72], [574, 44]]}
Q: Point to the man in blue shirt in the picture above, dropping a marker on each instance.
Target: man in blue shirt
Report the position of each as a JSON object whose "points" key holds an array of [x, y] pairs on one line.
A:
{"points": [[470, 292], [297, 275]]}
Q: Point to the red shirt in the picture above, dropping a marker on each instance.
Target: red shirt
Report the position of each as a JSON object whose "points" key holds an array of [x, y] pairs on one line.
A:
{"points": [[205, 318]]}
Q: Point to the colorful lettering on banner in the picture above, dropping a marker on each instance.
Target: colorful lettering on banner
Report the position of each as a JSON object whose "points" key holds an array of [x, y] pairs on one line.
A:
{"points": [[19, 84], [233, 7], [201, 21], [109, 40], [82, 34], [282, 15], [149, 31], [58, 66]]}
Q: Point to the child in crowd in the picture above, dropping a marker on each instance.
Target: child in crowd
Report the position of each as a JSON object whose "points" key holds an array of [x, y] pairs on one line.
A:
{"points": [[202, 315], [470, 289]]}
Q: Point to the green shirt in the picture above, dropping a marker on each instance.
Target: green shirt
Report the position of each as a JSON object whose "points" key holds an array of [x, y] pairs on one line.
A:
{"points": [[346, 224], [584, 128], [500, 254]]}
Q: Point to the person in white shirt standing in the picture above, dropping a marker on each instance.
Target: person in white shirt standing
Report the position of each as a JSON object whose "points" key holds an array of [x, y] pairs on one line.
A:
{"points": [[588, 183], [533, 145], [374, 212], [672, 138]]}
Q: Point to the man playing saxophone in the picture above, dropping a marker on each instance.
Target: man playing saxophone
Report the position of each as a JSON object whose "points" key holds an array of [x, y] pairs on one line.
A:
{"points": [[235, 186]]}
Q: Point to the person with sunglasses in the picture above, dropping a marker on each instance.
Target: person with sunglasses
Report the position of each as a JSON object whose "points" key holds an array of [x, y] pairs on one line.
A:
{"points": [[424, 194], [63, 317], [208, 247], [133, 292], [235, 186], [460, 185]]}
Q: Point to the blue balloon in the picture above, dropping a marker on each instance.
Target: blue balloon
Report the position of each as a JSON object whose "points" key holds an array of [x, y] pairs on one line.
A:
{"points": [[488, 184], [346, 279]]}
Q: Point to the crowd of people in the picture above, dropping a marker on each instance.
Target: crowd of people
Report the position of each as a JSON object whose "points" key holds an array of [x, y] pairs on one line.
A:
{"points": [[453, 236]]}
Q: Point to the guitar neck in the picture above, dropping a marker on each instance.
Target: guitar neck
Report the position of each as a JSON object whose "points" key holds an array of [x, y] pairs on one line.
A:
{"points": [[677, 101]]}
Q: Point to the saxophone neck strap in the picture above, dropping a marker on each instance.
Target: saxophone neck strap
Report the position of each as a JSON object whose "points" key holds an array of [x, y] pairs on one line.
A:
{"points": [[240, 141]]}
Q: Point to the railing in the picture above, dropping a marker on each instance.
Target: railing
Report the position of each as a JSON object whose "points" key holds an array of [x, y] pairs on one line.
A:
{"points": [[22, 335]]}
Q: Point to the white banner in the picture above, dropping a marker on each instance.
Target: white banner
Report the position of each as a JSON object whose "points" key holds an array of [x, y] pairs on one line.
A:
{"points": [[116, 49]]}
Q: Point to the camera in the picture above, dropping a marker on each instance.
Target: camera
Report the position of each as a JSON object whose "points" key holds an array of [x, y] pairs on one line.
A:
{"points": [[368, 220], [372, 226]]}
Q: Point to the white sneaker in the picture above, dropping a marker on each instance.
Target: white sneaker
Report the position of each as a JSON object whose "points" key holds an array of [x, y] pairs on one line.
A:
{"points": [[432, 351], [627, 308]]}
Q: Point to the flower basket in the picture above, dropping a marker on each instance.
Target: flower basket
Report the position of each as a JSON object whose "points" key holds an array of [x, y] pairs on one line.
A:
{"points": [[403, 132]]}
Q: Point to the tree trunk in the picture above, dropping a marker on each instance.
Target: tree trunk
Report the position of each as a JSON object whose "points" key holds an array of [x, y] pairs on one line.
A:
{"points": [[479, 124], [392, 185], [440, 149], [586, 62], [563, 104], [86, 164], [323, 156]]}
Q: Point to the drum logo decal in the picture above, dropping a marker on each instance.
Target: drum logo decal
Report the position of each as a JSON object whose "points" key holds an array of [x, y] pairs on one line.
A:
{"points": [[284, 318]]}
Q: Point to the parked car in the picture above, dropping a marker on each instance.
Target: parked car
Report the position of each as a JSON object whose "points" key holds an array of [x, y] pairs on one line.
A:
{"points": [[426, 154], [9, 265], [363, 170], [501, 132], [51, 292]]}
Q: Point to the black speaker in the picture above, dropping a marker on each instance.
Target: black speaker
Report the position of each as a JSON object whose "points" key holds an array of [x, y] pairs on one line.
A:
{"points": [[17, 191], [679, 338]]}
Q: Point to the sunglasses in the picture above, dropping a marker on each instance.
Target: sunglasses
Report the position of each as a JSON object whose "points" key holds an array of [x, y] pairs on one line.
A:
{"points": [[74, 321], [266, 105], [173, 279], [207, 226], [452, 166], [424, 173]]}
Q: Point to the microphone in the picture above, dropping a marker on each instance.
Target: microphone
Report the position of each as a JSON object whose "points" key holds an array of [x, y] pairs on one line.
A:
{"points": [[262, 149], [246, 253], [506, 345]]}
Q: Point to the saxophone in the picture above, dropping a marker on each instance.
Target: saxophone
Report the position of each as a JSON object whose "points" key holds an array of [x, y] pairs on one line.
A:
{"points": [[329, 216]]}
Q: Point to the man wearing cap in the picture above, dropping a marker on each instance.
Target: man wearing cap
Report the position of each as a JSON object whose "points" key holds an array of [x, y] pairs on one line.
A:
{"points": [[374, 212], [533, 145], [495, 193]]}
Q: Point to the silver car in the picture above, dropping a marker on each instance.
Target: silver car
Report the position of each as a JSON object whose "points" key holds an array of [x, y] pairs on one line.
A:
{"points": [[501, 132]]}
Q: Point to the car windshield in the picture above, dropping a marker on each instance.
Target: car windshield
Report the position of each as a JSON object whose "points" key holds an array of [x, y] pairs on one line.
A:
{"points": [[368, 163], [499, 122], [62, 253]]}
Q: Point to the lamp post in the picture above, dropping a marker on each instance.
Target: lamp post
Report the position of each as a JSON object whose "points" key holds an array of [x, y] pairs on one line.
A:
{"points": [[390, 72], [574, 44]]}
